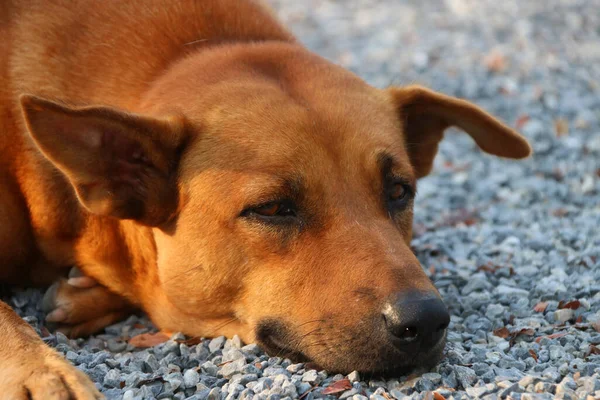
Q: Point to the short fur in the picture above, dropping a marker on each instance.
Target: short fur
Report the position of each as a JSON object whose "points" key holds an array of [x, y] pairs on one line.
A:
{"points": [[137, 138]]}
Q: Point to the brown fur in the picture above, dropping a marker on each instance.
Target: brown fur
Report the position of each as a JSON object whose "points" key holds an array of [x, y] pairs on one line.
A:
{"points": [[133, 137]]}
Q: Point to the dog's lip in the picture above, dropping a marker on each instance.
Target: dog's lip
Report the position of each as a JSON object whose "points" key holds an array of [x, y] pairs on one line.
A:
{"points": [[278, 349], [275, 348]]}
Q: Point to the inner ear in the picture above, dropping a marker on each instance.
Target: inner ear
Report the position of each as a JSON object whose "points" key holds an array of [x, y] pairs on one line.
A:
{"points": [[426, 114], [120, 164]]}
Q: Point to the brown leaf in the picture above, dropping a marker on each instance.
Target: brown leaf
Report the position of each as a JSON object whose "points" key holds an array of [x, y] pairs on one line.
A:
{"points": [[561, 127], [495, 61], [190, 341], [148, 339], [524, 331], [582, 326], [553, 336], [44, 332], [540, 307], [432, 396], [502, 332], [305, 394], [573, 305], [560, 212], [533, 355], [494, 268], [438, 396], [521, 121], [340, 386], [593, 350]]}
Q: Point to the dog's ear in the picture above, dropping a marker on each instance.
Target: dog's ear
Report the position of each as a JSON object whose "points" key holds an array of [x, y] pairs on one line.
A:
{"points": [[120, 164], [426, 114]]}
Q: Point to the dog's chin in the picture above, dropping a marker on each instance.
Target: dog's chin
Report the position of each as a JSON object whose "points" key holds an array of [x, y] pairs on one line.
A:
{"points": [[272, 346], [393, 365], [390, 362]]}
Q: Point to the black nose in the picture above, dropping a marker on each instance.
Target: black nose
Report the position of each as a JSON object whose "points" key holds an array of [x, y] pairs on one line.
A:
{"points": [[416, 320]]}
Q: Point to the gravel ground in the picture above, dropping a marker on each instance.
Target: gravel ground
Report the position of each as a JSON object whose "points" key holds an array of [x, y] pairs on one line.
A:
{"points": [[513, 246]]}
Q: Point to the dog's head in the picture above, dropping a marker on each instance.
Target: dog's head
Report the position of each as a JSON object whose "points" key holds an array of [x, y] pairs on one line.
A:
{"points": [[279, 190]]}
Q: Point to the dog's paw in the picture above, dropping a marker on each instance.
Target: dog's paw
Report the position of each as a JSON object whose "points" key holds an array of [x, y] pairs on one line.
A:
{"points": [[78, 306], [45, 375]]}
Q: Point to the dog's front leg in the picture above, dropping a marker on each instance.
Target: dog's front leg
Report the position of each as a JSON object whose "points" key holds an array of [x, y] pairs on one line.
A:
{"points": [[79, 306], [31, 370]]}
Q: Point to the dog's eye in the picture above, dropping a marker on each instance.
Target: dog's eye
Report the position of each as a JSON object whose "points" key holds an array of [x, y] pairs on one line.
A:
{"points": [[398, 191], [273, 209], [398, 195]]}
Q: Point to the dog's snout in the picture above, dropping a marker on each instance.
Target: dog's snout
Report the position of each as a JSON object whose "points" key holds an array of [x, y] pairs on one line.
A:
{"points": [[416, 320]]}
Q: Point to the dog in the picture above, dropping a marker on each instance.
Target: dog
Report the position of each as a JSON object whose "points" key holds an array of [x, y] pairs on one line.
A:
{"points": [[192, 159]]}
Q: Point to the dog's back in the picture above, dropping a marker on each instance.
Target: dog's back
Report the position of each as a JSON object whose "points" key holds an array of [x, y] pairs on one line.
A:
{"points": [[123, 45]]}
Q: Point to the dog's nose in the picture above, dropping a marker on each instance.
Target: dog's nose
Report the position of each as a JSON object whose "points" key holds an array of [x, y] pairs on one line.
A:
{"points": [[416, 321]]}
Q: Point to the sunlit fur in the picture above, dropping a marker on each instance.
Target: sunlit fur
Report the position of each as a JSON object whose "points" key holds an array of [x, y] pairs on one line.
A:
{"points": [[150, 126]]}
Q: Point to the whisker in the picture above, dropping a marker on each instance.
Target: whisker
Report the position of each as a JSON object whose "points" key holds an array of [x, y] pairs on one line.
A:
{"points": [[222, 325]]}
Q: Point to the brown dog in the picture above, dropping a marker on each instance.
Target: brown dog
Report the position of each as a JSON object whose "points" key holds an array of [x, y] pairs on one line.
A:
{"points": [[199, 163]]}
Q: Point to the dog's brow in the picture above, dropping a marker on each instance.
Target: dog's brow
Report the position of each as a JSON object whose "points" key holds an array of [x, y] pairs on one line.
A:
{"points": [[388, 163], [291, 186]]}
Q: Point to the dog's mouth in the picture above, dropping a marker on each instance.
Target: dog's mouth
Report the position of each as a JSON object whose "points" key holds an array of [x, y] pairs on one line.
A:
{"points": [[270, 335], [276, 339], [273, 346]]}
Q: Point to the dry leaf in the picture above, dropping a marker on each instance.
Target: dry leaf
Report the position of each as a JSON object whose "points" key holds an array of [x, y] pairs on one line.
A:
{"points": [[524, 331], [44, 333], [560, 212], [495, 61], [432, 396], [190, 341], [148, 339], [573, 305], [494, 268], [553, 336], [561, 127], [502, 332], [540, 307], [593, 350], [305, 394], [582, 326], [521, 121], [533, 355], [438, 396], [340, 386]]}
